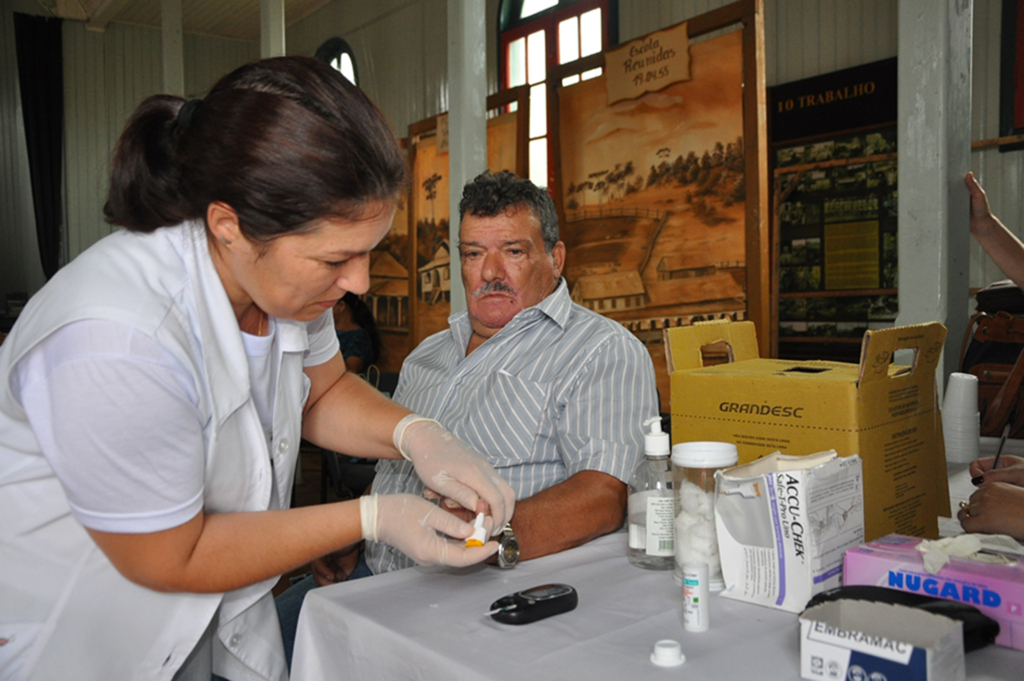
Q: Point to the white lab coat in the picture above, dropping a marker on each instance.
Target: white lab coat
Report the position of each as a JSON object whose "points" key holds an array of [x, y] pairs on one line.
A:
{"points": [[65, 611]]}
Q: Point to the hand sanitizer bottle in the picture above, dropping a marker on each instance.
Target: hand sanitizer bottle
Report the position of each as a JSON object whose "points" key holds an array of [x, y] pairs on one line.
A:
{"points": [[651, 503]]}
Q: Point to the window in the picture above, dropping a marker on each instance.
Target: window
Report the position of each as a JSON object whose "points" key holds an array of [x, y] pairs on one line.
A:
{"points": [[339, 55], [538, 34]]}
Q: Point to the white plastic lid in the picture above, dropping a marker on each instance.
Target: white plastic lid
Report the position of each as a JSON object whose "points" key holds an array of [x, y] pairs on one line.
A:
{"points": [[667, 653], [704, 454], [656, 443]]}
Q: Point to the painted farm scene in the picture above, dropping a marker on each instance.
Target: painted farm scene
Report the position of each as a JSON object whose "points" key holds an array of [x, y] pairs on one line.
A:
{"points": [[653, 197]]}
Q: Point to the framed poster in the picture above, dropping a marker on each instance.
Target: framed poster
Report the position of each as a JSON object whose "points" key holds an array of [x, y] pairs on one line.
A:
{"points": [[836, 196], [658, 191]]}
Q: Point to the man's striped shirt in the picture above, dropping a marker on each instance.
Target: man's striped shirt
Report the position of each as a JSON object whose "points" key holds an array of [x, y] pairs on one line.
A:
{"points": [[558, 390]]}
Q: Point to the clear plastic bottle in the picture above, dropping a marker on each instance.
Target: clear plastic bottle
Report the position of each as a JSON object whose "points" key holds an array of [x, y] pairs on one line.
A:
{"points": [[694, 465], [652, 504]]}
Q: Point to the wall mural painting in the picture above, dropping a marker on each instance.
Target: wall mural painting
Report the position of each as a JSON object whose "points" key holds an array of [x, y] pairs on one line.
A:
{"points": [[431, 271], [388, 296], [653, 197], [432, 266]]}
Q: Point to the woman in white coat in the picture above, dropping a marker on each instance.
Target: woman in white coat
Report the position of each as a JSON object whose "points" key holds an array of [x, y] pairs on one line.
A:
{"points": [[155, 391]]}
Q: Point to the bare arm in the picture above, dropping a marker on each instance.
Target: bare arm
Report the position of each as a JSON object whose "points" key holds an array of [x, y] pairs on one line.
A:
{"points": [[588, 505], [1005, 249], [224, 551], [344, 413]]}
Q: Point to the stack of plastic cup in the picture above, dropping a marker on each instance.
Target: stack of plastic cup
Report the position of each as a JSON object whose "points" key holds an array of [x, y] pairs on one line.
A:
{"points": [[961, 422]]}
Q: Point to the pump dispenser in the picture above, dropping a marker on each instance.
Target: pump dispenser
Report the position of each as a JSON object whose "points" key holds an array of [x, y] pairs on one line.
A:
{"points": [[651, 503]]}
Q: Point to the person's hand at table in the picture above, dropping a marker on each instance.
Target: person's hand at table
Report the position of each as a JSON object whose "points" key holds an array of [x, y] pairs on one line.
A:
{"points": [[421, 530], [449, 505], [995, 508], [448, 466], [335, 567], [1011, 470]]}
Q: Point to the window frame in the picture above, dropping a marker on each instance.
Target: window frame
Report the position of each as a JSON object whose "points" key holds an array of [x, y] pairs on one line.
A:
{"points": [[548, 20], [334, 48]]}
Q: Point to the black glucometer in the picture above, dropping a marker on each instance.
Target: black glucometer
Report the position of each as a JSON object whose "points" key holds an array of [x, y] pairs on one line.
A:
{"points": [[534, 604]]}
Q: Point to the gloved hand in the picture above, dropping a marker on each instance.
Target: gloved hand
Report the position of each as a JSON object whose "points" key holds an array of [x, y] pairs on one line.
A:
{"points": [[446, 465], [408, 523]]}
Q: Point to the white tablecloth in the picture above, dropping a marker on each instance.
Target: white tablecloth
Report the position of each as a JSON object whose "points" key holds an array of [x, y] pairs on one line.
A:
{"points": [[430, 624]]}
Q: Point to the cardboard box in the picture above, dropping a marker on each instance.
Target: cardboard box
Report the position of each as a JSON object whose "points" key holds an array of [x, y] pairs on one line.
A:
{"points": [[996, 590], [885, 413], [784, 524], [860, 640]]}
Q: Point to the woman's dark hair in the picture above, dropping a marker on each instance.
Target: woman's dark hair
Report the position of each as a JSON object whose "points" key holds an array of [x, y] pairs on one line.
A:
{"points": [[363, 316], [283, 141], [491, 194]]}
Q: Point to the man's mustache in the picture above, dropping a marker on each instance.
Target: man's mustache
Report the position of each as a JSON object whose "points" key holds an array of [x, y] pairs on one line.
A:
{"points": [[493, 287]]}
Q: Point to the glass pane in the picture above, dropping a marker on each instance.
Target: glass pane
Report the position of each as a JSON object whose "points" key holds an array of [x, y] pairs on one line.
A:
{"points": [[570, 80], [569, 40], [348, 69], [590, 32], [531, 7], [592, 73], [538, 110], [536, 66], [517, 62], [539, 162]]}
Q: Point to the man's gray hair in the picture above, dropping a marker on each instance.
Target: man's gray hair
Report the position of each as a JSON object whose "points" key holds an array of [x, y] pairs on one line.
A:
{"points": [[491, 194]]}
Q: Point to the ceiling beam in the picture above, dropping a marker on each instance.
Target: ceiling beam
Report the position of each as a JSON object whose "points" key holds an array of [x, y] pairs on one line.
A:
{"points": [[102, 12], [70, 9]]}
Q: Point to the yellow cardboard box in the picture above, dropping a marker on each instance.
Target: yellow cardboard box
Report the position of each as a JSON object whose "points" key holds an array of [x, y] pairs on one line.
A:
{"points": [[885, 413]]}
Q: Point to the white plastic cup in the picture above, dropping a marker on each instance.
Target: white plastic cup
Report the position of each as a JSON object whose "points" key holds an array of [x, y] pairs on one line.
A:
{"points": [[962, 438], [961, 395]]}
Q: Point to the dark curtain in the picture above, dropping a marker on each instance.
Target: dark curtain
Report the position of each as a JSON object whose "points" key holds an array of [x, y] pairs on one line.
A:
{"points": [[41, 73]]}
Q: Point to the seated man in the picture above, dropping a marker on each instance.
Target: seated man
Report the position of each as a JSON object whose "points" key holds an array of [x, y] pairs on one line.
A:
{"points": [[551, 393]]}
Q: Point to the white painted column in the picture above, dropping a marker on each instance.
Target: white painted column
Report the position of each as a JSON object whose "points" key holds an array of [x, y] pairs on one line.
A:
{"points": [[934, 145], [173, 51], [272, 28], [467, 117]]}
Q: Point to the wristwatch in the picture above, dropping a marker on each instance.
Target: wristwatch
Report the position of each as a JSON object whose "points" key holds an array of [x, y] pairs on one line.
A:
{"points": [[508, 548]]}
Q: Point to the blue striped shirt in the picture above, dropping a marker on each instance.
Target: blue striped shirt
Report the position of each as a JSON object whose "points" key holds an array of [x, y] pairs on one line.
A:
{"points": [[558, 390]]}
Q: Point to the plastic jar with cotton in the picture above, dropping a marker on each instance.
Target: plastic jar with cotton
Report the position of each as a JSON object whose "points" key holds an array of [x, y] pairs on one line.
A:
{"points": [[693, 475]]}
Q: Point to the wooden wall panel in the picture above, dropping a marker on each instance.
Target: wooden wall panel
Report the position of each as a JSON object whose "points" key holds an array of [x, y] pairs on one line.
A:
{"points": [[1002, 174], [402, 52], [207, 59], [20, 269], [803, 38], [107, 75]]}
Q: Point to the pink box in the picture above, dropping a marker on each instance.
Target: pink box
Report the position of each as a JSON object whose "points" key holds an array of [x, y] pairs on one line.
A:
{"points": [[894, 562]]}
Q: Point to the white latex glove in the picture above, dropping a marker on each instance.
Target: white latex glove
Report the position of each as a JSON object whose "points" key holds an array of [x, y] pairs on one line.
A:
{"points": [[446, 465], [408, 523]]}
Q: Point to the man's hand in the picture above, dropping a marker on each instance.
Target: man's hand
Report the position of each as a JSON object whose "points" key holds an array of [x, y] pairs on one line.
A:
{"points": [[420, 530], [448, 465], [336, 567], [452, 506]]}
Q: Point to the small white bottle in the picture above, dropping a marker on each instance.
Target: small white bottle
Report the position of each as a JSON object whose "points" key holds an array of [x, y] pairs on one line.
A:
{"points": [[695, 597], [651, 506]]}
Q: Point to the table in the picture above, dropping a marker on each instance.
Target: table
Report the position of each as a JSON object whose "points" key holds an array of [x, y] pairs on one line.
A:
{"points": [[425, 623]]}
